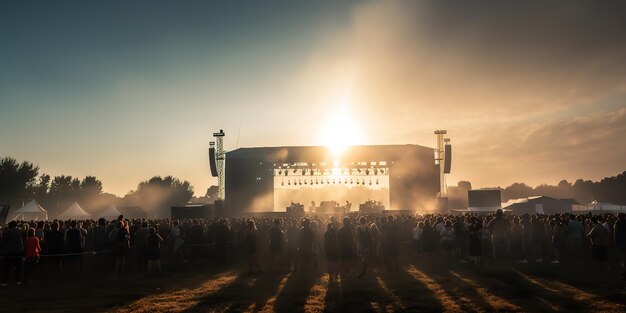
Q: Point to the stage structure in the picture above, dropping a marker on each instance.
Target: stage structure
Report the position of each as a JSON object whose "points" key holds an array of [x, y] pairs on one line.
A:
{"points": [[413, 177], [216, 161], [443, 158]]}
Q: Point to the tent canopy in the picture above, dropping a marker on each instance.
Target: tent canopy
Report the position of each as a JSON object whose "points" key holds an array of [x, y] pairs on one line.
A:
{"points": [[110, 212], [31, 209], [74, 211]]}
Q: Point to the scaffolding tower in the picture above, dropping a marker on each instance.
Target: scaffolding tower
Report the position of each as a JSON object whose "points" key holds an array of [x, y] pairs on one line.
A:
{"points": [[219, 159], [440, 159]]}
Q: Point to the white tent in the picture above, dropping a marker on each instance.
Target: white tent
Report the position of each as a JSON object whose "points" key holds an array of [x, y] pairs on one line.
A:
{"points": [[74, 212], [31, 211], [111, 212]]}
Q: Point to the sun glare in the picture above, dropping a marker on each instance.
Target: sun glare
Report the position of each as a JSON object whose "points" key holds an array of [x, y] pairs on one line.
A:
{"points": [[340, 133]]}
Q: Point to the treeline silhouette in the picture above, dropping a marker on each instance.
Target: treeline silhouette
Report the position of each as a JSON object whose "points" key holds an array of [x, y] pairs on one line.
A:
{"points": [[609, 189], [22, 182]]}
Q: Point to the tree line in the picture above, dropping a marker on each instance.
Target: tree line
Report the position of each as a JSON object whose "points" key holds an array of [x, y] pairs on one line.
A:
{"points": [[609, 189], [21, 182]]}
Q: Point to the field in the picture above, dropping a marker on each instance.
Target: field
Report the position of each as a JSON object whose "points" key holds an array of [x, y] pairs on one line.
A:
{"points": [[417, 286]]}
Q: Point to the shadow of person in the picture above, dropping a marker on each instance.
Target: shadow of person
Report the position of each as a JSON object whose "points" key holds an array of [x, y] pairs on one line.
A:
{"points": [[295, 292], [413, 294], [245, 292]]}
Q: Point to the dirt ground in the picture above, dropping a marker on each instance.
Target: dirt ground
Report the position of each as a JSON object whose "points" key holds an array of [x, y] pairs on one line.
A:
{"points": [[416, 287]]}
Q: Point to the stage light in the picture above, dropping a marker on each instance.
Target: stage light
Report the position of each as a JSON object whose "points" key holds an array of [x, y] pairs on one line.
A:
{"points": [[303, 172], [289, 182], [370, 182], [295, 170], [305, 182], [280, 172], [346, 181], [351, 181], [357, 181], [367, 172], [316, 182], [376, 181], [311, 182]]}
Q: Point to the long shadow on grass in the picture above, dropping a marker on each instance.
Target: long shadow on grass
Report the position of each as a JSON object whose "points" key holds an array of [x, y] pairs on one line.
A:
{"points": [[244, 292], [510, 285], [294, 293], [413, 294], [468, 294], [355, 295]]}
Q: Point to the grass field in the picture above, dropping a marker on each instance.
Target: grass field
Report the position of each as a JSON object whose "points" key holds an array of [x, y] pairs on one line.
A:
{"points": [[416, 287]]}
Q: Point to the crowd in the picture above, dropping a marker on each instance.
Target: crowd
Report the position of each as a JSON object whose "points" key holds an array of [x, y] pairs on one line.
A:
{"points": [[351, 243]]}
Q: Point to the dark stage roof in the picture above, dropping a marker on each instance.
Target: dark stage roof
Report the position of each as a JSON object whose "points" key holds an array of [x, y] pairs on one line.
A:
{"points": [[319, 154]]}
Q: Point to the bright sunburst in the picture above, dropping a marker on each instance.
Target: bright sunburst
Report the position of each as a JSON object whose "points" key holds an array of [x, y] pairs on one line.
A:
{"points": [[340, 132]]}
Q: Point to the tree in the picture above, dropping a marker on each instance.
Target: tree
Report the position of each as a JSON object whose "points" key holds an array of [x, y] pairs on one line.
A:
{"points": [[90, 186], [64, 190], [158, 194], [516, 191], [17, 181], [211, 192]]}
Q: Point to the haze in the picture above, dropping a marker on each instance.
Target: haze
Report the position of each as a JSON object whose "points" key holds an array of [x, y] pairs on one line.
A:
{"points": [[124, 90]]}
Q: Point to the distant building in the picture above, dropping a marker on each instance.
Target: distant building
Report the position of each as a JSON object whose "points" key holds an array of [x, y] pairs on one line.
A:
{"points": [[483, 200], [599, 207], [132, 212], [539, 205]]}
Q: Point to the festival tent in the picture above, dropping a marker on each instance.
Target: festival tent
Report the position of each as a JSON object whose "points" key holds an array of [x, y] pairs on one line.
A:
{"points": [[31, 211], [111, 212], [74, 212], [539, 205], [599, 207]]}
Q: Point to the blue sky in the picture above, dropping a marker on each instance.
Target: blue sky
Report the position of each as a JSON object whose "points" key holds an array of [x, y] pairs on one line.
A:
{"points": [[129, 89]]}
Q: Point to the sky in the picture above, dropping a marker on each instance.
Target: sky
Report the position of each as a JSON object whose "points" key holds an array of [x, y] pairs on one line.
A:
{"points": [[530, 92]]}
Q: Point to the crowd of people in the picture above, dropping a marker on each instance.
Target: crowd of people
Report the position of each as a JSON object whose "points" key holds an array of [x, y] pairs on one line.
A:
{"points": [[353, 243]]}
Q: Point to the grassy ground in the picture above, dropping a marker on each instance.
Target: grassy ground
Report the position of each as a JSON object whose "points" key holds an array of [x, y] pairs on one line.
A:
{"points": [[422, 287]]}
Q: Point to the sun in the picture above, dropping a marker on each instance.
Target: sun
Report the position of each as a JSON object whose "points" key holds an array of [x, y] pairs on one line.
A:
{"points": [[340, 132]]}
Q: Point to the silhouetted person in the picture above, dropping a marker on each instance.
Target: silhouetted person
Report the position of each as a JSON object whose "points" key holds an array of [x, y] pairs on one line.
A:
{"points": [[599, 242], [390, 230], [619, 235], [73, 241], [293, 235], [499, 229], [363, 244], [153, 250], [12, 252], [346, 246], [56, 245], [305, 245], [222, 236], [250, 245], [331, 251], [122, 247], [475, 241], [140, 242], [31, 252], [276, 242]]}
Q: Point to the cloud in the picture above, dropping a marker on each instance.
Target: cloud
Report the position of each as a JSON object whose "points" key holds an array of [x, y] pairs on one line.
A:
{"points": [[525, 89], [589, 146]]}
